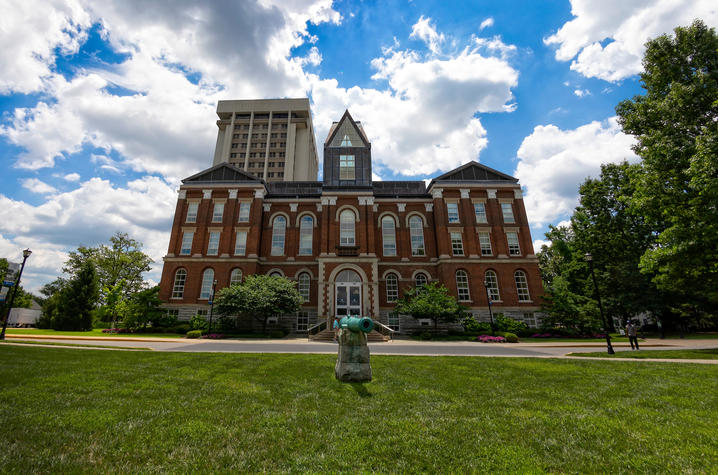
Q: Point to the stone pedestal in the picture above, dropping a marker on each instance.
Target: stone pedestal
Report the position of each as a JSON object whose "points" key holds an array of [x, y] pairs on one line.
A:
{"points": [[353, 359]]}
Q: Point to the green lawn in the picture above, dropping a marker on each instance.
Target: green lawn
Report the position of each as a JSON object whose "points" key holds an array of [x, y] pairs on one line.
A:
{"points": [[65, 410], [93, 332], [711, 354], [59, 343]]}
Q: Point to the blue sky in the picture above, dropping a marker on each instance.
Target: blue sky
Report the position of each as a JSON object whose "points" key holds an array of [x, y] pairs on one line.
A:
{"points": [[104, 108]]}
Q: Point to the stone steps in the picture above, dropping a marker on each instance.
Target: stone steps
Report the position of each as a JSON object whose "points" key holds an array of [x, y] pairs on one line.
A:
{"points": [[328, 335]]}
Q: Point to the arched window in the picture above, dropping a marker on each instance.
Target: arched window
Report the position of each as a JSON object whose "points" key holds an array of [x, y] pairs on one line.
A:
{"points": [[275, 273], [522, 286], [235, 277], [420, 279], [416, 230], [303, 285], [346, 228], [279, 227], [492, 284], [392, 288], [207, 279], [388, 235], [306, 230], [462, 286], [178, 287]]}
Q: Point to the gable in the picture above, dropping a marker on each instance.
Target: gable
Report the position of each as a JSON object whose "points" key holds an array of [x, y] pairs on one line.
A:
{"points": [[222, 173], [346, 134], [474, 171]]}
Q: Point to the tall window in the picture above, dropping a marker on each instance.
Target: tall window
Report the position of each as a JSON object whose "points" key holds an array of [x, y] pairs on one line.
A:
{"points": [[416, 231], [244, 211], [492, 284], [303, 285], [457, 245], [213, 245], [235, 277], [279, 228], [485, 243], [522, 286], [346, 167], [392, 288], [452, 210], [240, 243], [346, 142], [306, 230], [346, 228], [192, 212], [480, 212], [462, 286], [513, 240], [388, 235], [178, 287], [420, 279], [187, 243], [508, 212], [207, 279], [218, 212]]}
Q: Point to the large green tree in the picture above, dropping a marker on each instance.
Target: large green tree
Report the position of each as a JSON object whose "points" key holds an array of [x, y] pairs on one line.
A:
{"points": [[259, 297], [77, 300], [676, 188], [431, 301], [121, 262]]}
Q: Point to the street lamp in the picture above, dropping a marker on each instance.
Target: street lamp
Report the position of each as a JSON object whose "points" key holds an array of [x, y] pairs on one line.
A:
{"points": [[488, 298], [589, 259], [25, 254], [211, 307]]}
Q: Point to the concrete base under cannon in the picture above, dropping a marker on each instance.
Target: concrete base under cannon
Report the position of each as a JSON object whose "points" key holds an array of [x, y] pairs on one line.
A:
{"points": [[353, 359]]}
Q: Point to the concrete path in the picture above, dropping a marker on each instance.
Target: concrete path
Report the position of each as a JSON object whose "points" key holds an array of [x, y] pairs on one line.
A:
{"points": [[396, 347]]}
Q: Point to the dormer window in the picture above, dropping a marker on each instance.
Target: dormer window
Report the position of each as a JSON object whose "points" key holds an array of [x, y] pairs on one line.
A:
{"points": [[346, 142], [346, 167]]}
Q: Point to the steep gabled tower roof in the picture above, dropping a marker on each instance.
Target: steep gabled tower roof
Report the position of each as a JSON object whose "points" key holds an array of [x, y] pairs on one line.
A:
{"points": [[222, 173], [347, 133], [474, 171]]}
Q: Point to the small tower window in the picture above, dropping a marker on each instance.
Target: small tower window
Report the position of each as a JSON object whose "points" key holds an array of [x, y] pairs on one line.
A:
{"points": [[346, 142], [346, 167]]}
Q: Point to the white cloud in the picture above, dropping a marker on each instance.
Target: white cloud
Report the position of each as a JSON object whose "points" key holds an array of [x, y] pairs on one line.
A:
{"points": [[606, 38], [553, 163], [88, 215], [426, 32], [425, 122], [489, 22], [38, 186], [540, 242], [581, 92], [72, 177]]}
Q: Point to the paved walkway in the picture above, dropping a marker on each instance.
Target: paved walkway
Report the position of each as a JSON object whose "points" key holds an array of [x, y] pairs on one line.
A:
{"points": [[396, 347]]}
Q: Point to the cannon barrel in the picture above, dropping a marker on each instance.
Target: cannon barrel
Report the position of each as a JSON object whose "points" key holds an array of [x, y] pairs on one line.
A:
{"points": [[357, 324]]}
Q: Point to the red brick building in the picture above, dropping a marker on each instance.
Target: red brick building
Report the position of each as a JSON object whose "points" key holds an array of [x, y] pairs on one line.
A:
{"points": [[353, 245]]}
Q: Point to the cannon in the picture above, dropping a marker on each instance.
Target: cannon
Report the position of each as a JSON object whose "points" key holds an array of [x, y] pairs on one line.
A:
{"points": [[353, 358], [357, 324]]}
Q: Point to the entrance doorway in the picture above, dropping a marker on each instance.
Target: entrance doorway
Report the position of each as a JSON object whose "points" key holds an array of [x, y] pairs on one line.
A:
{"points": [[347, 293]]}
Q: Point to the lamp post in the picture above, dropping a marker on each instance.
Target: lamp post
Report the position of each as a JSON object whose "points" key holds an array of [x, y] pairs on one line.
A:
{"points": [[25, 254], [491, 313], [589, 259], [211, 307]]}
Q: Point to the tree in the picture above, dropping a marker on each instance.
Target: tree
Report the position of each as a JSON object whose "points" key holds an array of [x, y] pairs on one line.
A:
{"points": [[77, 300], [430, 301], [122, 261], [676, 126], [259, 297], [143, 307]]}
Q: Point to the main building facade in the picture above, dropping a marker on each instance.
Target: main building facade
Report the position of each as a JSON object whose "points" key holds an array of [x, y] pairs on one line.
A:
{"points": [[353, 245]]}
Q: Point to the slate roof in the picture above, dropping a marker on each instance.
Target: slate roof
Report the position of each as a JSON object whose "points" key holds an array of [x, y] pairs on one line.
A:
{"points": [[473, 172], [222, 173]]}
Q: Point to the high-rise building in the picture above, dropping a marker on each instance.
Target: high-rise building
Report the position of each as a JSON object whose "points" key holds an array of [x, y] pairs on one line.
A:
{"points": [[271, 139]]}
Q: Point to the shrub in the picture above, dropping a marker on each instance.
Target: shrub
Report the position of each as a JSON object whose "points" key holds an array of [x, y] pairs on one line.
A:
{"points": [[472, 326], [424, 336], [277, 334], [506, 324], [198, 322], [194, 334], [180, 328], [227, 324]]}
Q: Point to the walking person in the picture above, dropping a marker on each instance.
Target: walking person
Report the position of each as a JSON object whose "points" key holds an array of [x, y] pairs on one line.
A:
{"points": [[631, 332]]}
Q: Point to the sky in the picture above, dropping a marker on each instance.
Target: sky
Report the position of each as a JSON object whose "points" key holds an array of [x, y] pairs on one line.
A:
{"points": [[106, 106]]}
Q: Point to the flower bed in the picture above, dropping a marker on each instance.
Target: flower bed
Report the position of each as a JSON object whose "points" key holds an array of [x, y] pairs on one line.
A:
{"points": [[116, 330], [214, 336], [490, 339], [557, 335]]}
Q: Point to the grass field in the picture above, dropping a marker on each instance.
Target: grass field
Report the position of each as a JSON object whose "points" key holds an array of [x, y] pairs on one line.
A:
{"points": [[93, 332], [65, 410], [711, 354]]}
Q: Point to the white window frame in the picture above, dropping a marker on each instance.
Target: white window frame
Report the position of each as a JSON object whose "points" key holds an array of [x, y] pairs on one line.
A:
{"points": [[463, 293], [306, 234], [452, 215], [207, 280], [179, 283], [416, 279], [507, 211], [480, 212], [192, 209], [491, 278], [512, 239], [187, 238], [240, 243], [388, 236], [416, 233], [304, 283], [279, 231], [347, 167], [347, 235], [485, 243], [392, 287], [244, 209], [457, 243], [233, 279], [522, 286], [213, 243], [218, 213]]}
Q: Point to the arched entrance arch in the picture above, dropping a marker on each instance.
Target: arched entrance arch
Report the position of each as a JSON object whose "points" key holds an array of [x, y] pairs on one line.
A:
{"points": [[348, 293], [355, 278]]}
